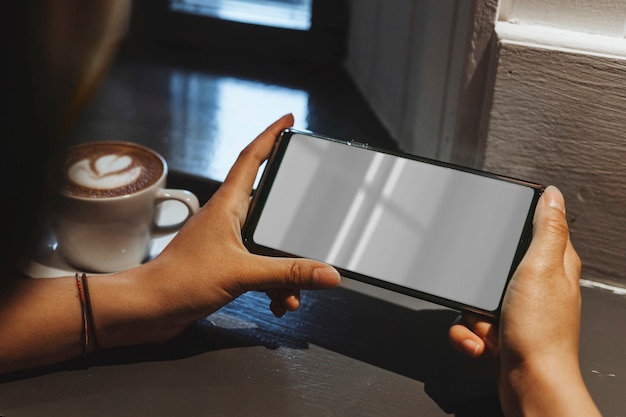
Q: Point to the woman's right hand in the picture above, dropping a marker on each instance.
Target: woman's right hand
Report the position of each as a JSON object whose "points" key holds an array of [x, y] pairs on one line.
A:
{"points": [[535, 341]]}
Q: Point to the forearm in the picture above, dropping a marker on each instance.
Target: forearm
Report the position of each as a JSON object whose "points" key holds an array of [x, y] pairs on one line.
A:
{"points": [[41, 320]]}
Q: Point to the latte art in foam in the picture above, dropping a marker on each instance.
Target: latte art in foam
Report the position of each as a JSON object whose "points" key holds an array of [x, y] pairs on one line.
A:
{"points": [[109, 169]]}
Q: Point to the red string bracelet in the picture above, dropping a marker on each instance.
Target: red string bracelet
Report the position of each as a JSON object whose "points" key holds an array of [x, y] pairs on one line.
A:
{"points": [[81, 298], [92, 323], [89, 326]]}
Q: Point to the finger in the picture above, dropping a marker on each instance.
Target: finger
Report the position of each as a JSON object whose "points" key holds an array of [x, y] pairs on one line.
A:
{"points": [[283, 300], [546, 253], [244, 171], [290, 298], [474, 335], [277, 309], [290, 273], [466, 341], [550, 230]]}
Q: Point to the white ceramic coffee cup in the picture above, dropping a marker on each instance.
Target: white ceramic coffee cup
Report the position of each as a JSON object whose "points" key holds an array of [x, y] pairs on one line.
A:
{"points": [[112, 233]]}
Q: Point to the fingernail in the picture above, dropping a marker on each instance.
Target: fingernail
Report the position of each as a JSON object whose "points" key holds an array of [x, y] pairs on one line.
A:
{"points": [[554, 198], [328, 276], [471, 347], [286, 115]]}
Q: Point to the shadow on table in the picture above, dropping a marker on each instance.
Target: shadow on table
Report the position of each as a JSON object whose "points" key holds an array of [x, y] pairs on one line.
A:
{"points": [[403, 341]]}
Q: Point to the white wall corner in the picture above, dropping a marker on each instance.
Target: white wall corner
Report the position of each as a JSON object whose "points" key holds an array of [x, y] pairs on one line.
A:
{"points": [[552, 38]]}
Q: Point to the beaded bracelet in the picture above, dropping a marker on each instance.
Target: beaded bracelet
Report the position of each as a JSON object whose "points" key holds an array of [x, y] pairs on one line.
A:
{"points": [[88, 327]]}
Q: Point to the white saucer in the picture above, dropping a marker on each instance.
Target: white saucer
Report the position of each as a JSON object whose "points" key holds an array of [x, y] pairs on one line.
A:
{"points": [[46, 262]]}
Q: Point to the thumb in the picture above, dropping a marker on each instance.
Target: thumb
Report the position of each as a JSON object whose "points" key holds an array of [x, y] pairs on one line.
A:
{"points": [[546, 253], [295, 273], [550, 229]]}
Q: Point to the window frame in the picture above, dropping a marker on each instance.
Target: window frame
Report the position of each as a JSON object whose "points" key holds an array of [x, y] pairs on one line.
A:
{"points": [[324, 43]]}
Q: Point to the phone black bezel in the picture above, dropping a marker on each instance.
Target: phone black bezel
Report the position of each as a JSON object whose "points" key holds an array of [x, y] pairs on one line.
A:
{"points": [[260, 196]]}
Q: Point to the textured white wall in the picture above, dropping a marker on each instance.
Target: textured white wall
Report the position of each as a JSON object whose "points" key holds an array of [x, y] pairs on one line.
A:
{"points": [[558, 116]]}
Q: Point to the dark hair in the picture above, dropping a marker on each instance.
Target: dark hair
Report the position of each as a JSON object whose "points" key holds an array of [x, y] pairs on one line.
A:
{"points": [[28, 133]]}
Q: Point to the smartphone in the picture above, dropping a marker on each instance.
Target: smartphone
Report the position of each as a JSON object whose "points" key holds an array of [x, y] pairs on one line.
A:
{"points": [[432, 230]]}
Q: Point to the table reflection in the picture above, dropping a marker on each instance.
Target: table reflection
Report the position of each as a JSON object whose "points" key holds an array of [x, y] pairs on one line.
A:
{"points": [[224, 114]]}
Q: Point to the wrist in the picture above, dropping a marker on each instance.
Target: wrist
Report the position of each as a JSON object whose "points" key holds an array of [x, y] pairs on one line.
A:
{"points": [[126, 309], [552, 386]]}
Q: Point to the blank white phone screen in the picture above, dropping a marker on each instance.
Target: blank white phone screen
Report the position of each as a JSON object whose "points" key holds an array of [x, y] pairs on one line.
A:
{"points": [[430, 228]]}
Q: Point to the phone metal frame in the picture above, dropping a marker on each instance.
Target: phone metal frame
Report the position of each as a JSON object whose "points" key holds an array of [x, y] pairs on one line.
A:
{"points": [[260, 196]]}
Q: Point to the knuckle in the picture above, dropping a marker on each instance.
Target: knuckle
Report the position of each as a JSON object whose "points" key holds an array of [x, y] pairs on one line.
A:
{"points": [[294, 275], [250, 152], [557, 226]]}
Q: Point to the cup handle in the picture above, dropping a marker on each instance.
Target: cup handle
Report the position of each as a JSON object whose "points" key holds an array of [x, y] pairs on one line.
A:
{"points": [[183, 196]]}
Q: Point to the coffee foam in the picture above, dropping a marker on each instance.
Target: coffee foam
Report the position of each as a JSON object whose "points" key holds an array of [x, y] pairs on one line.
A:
{"points": [[108, 171], [102, 170]]}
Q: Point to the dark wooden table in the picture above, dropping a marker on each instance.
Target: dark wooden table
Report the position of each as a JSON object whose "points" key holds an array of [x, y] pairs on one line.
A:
{"points": [[352, 351], [344, 353]]}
